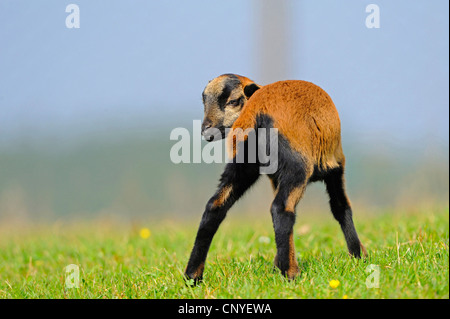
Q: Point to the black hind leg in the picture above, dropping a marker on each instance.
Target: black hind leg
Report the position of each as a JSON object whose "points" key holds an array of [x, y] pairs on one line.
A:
{"points": [[283, 217], [289, 184], [342, 211]]}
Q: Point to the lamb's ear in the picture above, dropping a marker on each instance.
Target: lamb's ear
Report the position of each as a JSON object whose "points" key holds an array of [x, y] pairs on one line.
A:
{"points": [[250, 89]]}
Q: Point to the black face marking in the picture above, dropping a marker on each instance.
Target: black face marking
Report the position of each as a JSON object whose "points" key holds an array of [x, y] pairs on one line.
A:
{"points": [[223, 97], [231, 83], [250, 89]]}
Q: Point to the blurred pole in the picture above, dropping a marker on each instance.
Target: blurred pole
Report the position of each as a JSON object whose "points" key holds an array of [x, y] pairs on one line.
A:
{"points": [[273, 45]]}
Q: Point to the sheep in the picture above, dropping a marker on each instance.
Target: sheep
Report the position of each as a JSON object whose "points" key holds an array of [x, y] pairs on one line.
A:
{"points": [[309, 150]]}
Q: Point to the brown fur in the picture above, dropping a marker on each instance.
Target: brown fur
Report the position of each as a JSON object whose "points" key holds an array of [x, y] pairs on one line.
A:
{"points": [[304, 114]]}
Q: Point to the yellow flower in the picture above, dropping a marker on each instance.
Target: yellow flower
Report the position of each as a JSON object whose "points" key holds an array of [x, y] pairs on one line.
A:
{"points": [[334, 283], [145, 233], [345, 297]]}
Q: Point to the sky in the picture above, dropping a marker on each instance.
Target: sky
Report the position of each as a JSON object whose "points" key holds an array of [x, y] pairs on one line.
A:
{"points": [[136, 65]]}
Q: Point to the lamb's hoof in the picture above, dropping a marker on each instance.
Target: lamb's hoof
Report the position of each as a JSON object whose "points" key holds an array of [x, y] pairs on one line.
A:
{"points": [[191, 280]]}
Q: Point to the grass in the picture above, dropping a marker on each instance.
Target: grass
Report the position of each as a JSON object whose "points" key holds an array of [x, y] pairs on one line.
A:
{"points": [[115, 261]]}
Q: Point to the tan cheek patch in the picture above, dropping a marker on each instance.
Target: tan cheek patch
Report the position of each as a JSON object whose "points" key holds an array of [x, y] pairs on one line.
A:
{"points": [[214, 115], [230, 116]]}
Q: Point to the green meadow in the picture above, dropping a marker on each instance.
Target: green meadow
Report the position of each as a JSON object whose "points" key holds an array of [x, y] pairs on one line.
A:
{"points": [[408, 258]]}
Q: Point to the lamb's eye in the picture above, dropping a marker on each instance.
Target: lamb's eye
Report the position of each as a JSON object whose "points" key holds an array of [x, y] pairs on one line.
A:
{"points": [[235, 102]]}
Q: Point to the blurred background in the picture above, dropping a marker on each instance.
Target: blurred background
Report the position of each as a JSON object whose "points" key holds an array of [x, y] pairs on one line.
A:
{"points": [[86, 113]]}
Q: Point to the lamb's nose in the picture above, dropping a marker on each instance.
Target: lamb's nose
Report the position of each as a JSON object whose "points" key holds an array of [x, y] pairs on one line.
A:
{"points": [[205, 126]]}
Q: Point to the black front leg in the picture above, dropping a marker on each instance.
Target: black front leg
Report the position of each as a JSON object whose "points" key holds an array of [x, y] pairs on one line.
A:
{"points": [[235, 180]]}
